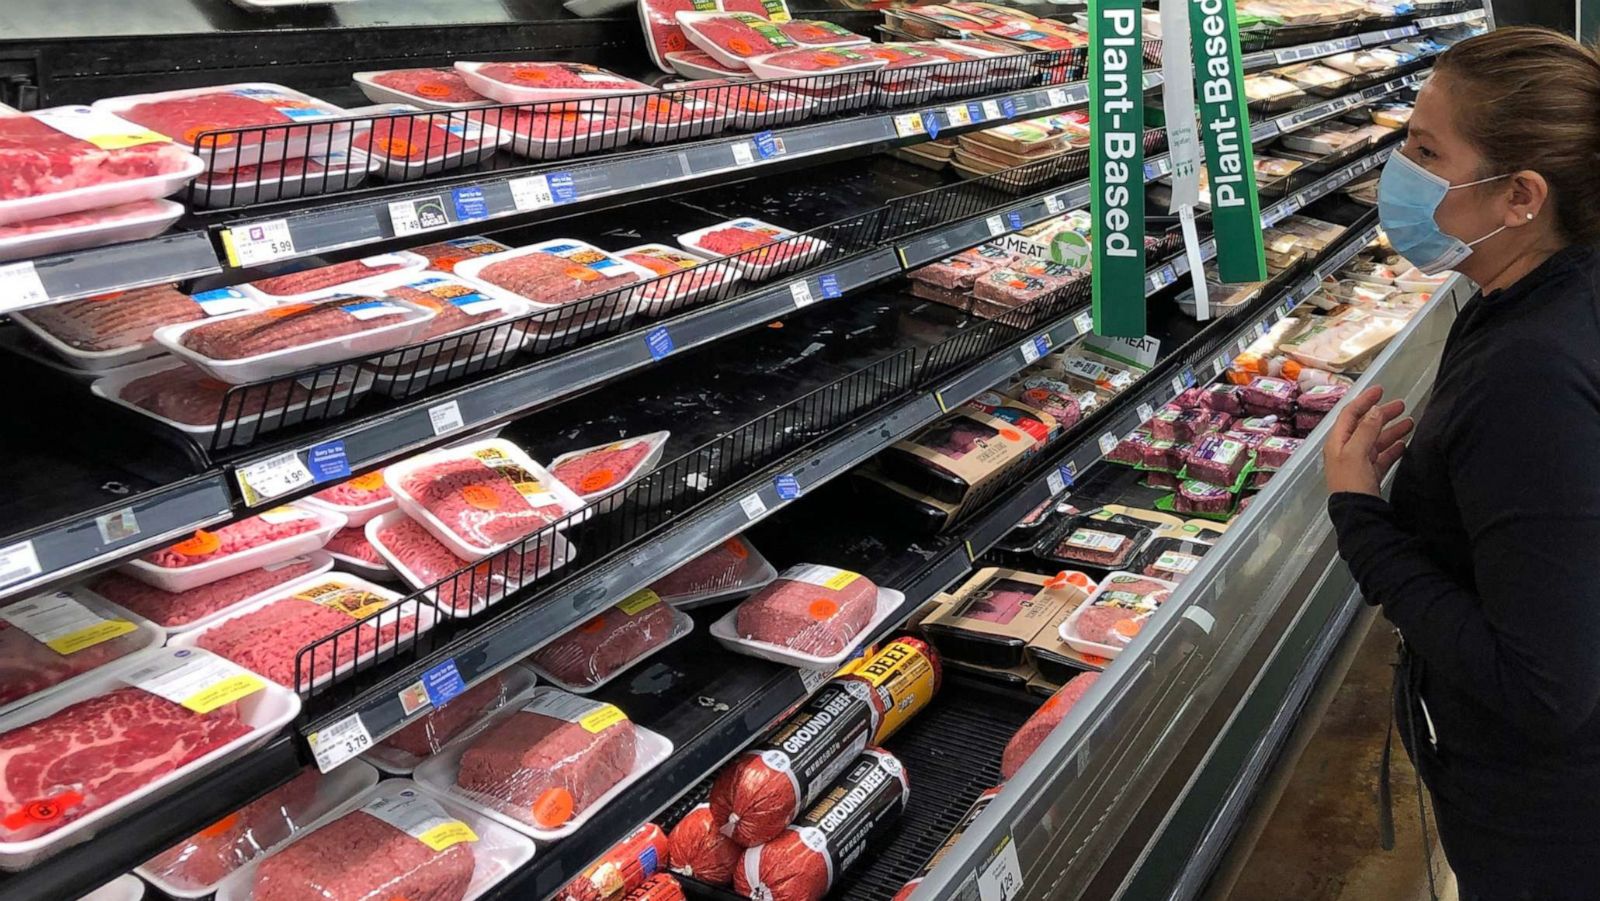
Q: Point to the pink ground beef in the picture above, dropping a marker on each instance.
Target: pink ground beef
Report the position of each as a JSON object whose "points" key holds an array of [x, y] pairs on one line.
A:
{"points": [[1322, 398], [602, 468], [723, 568], [171, 610], [1202, 497], [734, 240], [458, 493], [559, 76], [957, 272], [1276, 451], [357, 492], [1131, 449], [187, 395], [1270, 394], [1223, 399], [267, 641], [439, 85], [352, 542], [1216, 459], [429, 561], [1113, 624], [233, 538]]}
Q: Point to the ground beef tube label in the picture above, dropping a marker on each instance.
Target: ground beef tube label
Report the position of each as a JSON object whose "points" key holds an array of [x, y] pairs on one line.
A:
{"points": [[421, 818], [903, 677]]}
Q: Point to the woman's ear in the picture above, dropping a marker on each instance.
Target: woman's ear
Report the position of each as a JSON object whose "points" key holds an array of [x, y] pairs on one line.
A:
{"points": [[1529, 191]]}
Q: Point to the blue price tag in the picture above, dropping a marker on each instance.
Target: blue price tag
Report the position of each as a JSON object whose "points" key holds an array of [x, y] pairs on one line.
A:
{"points": [[328, 461], [1188, 377], [562, 190], [766, 145], [1068, 475], [930, 123], [829, 283], [443, 682], [1014, 218], [975, 110], [1008, 107], [1041, 344], [470, 204], [788, 487], [659, 342]]}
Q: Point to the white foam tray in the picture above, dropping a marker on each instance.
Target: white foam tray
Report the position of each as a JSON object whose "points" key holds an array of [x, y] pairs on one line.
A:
{"points": [[517, 682], [726, 632], [112, 383], [183, 578], [157, 219]]}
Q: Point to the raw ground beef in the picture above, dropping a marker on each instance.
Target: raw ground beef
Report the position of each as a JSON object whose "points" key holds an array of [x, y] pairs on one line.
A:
{"points": [[478, 502], [92, 753], [1305, 421], [357, 492], [184, 118], [559, 76], [415, 139], [359, 856], [351, 541], [1166, 481], [322, 278], [116, 320], [1095, 544], [1053, 397], [187, 395], [543, 769], [50, 224], [621, 872], [602, 468], [826, 59], [957, 272], [1202, 497], [1223, 399], [456, 308], [661, 24], [608, 643], [1271, 395], [443, 256], [29, 666], [236, 536], [1010, 287], [1276, 451], [169, 610], [583, 131], [205, 858], [1108, 621], [430, 561], [429, 734], [1261, 425], [696, 848], [268, 641], [1216, 459], [1043, 721], [817, 34], [442, 85], [1321, 398], [738, 36], [959, 300], [286, 327], [810, 618], [37, 159], [725, 567], [1130, 450], [1164, 455], [735, 240], [1173, 423], [550, 280]]}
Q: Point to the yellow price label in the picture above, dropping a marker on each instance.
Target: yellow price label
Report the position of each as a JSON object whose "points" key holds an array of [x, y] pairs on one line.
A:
{"points": [[605, 717], [130, 139], [225, 692], [444, 835], [73, 642], [643, 599], [839, 581]]}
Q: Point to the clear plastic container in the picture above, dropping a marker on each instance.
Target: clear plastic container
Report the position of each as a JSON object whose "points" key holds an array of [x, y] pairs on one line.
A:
{"points": [[298, 530], [178, 395], [1114, 614], [596, 470], [730, 569], [110, 699], [739, 235], [52, 640], [399, 754], [289, 117], [420, 560], [538, 82], [92, 228], [480, 498], [588, 656]]}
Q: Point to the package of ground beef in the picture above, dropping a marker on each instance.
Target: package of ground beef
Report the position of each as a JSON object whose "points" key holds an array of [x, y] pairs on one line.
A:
{"points": [[1258, 481], [267, 637], [662, 33], [480, 497], [1173, 423], [1011, 288], [1260, 425], [1114, 613], [537, 82], [1305, 422], [1171, 559], [953, 273], [1223, 399], [111, 329], [1265, 393], [354, 553], [1081, 541], [1130, 451], [732, 568], [1276, 451], [1217, 459], [593, 653], [1054, 397], [812, 611], [733, 38], [1165, 481], [810, 61], [50, 639], [1038, 727], [358, 499], [419, 739], [210, 555], [1203, 498], [757, 249], [422, 561], [1321, 398], [1163, 455], [596, 470], [443, 256], [431, 88]]}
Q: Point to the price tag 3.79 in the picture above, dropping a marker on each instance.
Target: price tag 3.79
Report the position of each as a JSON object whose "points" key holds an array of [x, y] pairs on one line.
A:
{"points": [[339, 742]]}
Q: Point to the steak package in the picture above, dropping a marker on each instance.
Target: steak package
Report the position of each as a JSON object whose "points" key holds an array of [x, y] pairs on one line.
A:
{"points": [[803, 862], [627, 866], [591, 654], [191, 609], [207, 556], [421, 560], [698, 849], [1115, 613], [733, 567], [762, 790], [395, 840], [195, 866], [400, 753], [1084, 541], [479, 498], [813, 610], [1172, 559], [967, 819], [1043, 721], [993, 615], [956, 456], [268, 636], [594, 471], [49, 639]]}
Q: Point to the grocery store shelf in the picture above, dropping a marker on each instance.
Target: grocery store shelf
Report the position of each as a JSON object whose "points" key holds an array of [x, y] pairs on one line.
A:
{"points": [[1327, 109], [84, 273], [1471, 15], [1298, 53]]}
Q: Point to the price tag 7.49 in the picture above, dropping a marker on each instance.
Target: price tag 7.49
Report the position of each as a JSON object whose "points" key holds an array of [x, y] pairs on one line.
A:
{"points": [[339, 742]]}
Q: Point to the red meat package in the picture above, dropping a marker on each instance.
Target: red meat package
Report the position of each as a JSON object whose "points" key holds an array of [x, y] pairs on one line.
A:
{"points": [[430, 86], [357, 492], [1114, 615], [350, 544], [806, 860], [117, 320], [1042, 722], [50, 638], [660, 887], [268, 637], [662, 33], [399, 844], [236, 537], [421, 560], [622, 870], [444, 256], [732, 38], [971, 816], [763, 789], [596, 470], [732, 567], [405, 749], [586, 657], [299, 325], [56, 150], [177, 609], [815, 610], [699, 850], [548, 762], [480, 497]]}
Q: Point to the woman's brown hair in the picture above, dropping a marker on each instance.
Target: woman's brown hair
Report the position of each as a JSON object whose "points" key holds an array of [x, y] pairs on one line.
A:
{"points": [[1529, 98]]}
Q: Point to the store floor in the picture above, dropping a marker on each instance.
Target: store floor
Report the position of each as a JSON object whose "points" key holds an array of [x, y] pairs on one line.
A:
{"points": [[1321, 840]]}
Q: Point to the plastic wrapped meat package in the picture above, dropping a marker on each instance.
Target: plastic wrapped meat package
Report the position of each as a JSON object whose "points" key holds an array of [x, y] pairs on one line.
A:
{"points": [[458, 308], [1081, 541], [544, 765], [1274, 452], [410, 841], [1053, 396], [481, 497], [121, 737], [1038, 727], [181, 611], [431, 88], [731, 568], [354, 553], [283, 179], [349, 277], [420, 739], [680, 277], [754, 106], [663, 36], [358, 499], [757, 249], [358, 619], [405, 143], [1321, 398], [593, 653], [91, 228], [1343, 343], [1204, 499], [443, 256], [1115, 613], [733, 38], [567, 279], [993, 615], [188, 399], [954, 273], [1172, 559], [956, 456], [628, 870], [421, 560], [1267, 395], [50, 639], [696, 848], [1131, 450], [537, 82], [269, 537], [810, 617], [196, 866], [239, 124], [597, 470], [1217, 459], [807, 62], [110, 330], [542, 134], [1173, 423]]}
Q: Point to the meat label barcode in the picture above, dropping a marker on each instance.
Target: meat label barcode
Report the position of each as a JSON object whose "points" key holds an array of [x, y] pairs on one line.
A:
{"points": [[197, 680], [20, 287], [743, 155], [801, 292], [753, 505], [1108, 443], [18, 562], [446, 417], [996, 225], [907, 125], [958, 115], [273, 477], [339, 742], [257, 243], [1001, 876], [1030, 351], [1058, 96]]}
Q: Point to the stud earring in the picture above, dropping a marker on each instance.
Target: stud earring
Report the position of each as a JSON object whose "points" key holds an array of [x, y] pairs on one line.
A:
{"points": [[1530, 217]]}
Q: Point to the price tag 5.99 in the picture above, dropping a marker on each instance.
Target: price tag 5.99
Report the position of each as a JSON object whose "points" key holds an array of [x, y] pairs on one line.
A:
{"points": [[257, 243], [339, 742]]}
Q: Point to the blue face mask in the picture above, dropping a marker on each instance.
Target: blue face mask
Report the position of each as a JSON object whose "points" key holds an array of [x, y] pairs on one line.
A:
{"points": [[1408, 197]]}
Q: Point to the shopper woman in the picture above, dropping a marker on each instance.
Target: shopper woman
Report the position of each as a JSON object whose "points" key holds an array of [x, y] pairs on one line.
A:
{"points": [[1487, 555]]}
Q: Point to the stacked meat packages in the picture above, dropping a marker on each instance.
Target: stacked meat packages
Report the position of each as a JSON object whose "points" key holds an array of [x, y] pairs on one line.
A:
{"points": [[1047, 259]]}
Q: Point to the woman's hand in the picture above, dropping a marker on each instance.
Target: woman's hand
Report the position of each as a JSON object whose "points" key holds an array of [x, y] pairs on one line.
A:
{"points": [[1367, 440]]}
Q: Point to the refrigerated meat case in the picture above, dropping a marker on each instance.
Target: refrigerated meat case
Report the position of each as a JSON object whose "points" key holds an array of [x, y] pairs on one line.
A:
{"points": [[774, 394]]}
